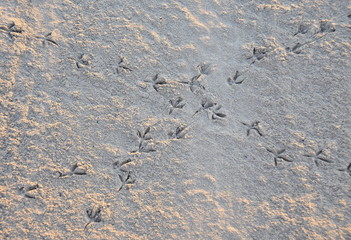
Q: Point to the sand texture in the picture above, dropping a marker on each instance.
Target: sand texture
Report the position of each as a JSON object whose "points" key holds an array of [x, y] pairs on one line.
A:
{"points": [[204, 119]]}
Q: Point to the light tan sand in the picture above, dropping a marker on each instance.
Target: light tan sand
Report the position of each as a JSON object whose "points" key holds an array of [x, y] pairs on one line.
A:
{"points": [[92, 148]]}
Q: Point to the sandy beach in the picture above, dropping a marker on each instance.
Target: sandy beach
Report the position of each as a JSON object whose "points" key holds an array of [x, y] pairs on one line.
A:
{"points": [[204, 119]]}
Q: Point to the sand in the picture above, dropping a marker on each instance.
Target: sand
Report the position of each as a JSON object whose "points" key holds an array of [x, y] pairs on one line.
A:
{"points": [[204, 119]]}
